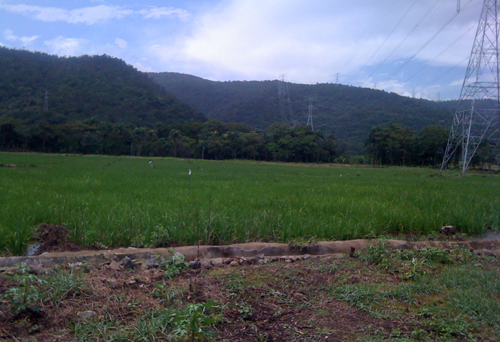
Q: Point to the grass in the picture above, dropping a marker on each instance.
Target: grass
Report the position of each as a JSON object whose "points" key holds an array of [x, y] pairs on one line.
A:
{"points": [[123, 201]]}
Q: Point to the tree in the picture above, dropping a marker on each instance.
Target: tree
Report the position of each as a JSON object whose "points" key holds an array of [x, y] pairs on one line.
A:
{"points": [[429, 146], [9, 137], [389, 144]]}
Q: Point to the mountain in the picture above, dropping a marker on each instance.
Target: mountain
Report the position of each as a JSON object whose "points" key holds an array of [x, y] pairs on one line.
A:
{"points": [[346, 111], [37, 87]]}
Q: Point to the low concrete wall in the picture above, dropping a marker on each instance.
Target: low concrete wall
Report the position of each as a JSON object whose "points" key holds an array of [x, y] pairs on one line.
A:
{"points": [[245, 249]]}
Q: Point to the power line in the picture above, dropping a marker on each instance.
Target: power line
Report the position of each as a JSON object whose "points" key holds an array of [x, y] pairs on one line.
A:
{"points": [[440, 54], [404, 40], [386, 39], [422, 47]]}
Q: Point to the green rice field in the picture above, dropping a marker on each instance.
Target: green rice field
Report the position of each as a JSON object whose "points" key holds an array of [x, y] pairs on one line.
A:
{"points": [[125, 201]]}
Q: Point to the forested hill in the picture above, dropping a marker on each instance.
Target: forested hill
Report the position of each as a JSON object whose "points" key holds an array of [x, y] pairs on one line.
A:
{"points": [[79, 88], [348, 112]]}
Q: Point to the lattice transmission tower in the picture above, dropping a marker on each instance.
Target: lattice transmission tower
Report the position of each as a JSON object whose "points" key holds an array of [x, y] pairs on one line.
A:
{"points": [[285, 103], [477, 117], [310, 109]]}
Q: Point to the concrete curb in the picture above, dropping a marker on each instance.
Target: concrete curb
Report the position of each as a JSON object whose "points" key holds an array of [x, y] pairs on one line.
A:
{"points": [[236, 250]]}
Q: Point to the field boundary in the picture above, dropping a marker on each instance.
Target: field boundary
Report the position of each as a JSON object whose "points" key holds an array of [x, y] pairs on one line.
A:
{"points": [[236, 250]]}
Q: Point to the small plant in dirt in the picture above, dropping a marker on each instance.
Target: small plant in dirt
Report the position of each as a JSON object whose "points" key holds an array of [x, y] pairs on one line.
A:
{"points": [[435, 254], [377, 254], [415, 270], [174, 264], [194, 320], [25, 296], [62, 284]]}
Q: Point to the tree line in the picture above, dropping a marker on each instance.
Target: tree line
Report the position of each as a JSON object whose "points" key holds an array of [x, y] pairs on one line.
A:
{"points": [[208, 140], [388, 144], [392, 144]]}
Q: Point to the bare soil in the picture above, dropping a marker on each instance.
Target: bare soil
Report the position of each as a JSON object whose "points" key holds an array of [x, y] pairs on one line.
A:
{"points": [[280, 301]]}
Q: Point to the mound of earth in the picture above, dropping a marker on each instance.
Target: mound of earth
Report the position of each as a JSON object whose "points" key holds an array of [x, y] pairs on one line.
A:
{"points": [[55, 238]]}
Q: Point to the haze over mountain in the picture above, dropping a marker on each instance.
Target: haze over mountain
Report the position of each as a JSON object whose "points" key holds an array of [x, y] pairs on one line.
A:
{"points": [[346, 111], [79, 88]]}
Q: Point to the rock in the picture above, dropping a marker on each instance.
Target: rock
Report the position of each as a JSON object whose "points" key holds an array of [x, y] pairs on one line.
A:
{"points": [[217, 262], [227, 261], [37, 269], [448, 230], [403, 247], [234, 263], [129, 263], [306, 256], [206, 263], [152, 263], [86, 314], [352, 251], [490, 253], [114, 266], [195, 264], [33, 249], [10, 270]]}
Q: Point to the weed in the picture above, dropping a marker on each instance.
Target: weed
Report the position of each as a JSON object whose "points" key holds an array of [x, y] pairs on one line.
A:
{"points": [[62, 284], [193, 321], [174, 264], [26, 295], [435, 254], [245, 311]]}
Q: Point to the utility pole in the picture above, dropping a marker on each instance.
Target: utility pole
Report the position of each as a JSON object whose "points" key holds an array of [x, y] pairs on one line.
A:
{"points": [[477, 115], [337, 78]]}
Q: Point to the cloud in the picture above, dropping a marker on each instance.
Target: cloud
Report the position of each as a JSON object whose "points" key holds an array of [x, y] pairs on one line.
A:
{"points": [[168, 12], [139, 66], [66, 46], [9, 35], [121, 43], [312, 41], [92, 15]]}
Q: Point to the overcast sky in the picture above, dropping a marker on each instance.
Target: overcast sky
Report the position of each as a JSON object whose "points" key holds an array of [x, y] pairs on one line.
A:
{"points": [[412, 47]]}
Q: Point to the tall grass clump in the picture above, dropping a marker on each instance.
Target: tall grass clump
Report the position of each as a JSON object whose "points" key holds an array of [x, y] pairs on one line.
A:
{"points": [[122, 201]]}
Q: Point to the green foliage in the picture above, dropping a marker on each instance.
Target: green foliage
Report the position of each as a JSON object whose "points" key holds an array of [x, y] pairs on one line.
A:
{"points": [[189, 323], [26, 295], [376, 253], [174, 264], [347, 112], [62, 284], [117, 201], [193, 321], [392, 144], [80, 88]]}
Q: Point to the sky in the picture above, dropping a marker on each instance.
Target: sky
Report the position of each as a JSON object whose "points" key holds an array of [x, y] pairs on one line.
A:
{"points": [[416, 48]]}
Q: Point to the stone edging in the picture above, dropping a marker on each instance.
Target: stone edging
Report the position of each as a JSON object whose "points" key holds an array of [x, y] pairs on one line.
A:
{"points": [[237, 250]]}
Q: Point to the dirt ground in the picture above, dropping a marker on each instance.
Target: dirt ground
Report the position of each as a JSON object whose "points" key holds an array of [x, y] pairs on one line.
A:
{"points": [[285, 300], [275, 302]]}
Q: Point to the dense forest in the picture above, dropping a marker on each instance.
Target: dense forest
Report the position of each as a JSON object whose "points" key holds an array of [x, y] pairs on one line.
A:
{"points": [[41, 88], [347, 112], [101, 105]]}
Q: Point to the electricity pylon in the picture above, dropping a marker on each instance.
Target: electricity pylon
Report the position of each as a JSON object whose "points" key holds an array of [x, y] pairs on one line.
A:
{"points": [[477, 115], [310, 108], [285, 103]]}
